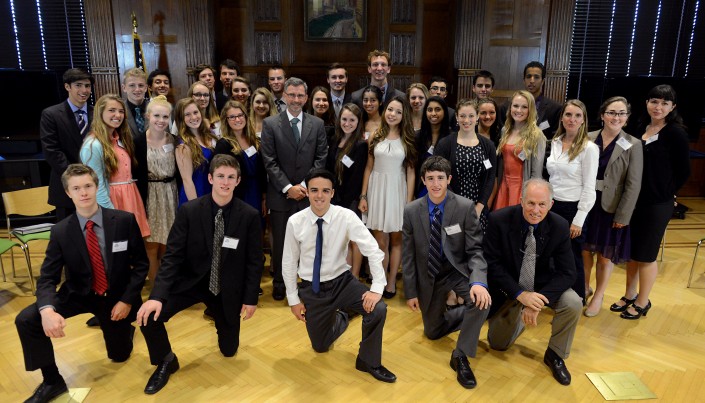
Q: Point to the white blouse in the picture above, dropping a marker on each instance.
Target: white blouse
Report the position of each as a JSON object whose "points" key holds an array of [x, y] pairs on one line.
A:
{"points": [[574, 180]]}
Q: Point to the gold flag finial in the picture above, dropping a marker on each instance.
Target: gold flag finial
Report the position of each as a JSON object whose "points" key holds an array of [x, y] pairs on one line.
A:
{"points": [[134, 22]]}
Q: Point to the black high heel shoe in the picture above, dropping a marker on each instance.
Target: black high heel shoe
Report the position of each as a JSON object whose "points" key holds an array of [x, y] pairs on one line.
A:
{"points": [[621, 308], [639, 312]]}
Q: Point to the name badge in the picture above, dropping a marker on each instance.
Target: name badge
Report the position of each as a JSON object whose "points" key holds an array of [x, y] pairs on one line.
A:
{"points": [[522, 155], [119, 246], [347, 161], [453, 229], [652, 138], [544, 125], [622, 142], [120, 144], [487, 163], [250, 151], [168, 148], [230, 243], [366, 135], [430, 150]]}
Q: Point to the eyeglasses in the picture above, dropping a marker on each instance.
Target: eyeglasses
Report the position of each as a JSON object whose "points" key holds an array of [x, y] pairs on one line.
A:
{"points": [[201, 95], [235, 117], [613, 114], [439, 89], [296, 96]]}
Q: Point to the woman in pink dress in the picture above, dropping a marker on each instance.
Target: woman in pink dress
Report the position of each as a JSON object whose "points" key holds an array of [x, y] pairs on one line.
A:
{"points": [[110, 151]]}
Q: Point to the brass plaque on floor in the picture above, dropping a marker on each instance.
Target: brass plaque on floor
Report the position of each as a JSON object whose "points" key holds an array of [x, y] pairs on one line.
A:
{"points": [[620, 386], [74, 395]]}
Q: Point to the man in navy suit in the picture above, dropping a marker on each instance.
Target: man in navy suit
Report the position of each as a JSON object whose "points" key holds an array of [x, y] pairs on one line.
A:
{"points": [[337, 80], [62, 129], [220, 266], [105, 280]]}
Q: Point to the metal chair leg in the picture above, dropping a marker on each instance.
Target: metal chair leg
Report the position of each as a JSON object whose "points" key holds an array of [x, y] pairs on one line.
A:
{"points": [[25, 249], [692, 267]]}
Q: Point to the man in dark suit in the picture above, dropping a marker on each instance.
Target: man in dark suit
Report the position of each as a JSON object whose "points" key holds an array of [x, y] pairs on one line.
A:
{"points": [[293, 143], [337, 80], [530, 266], [379, 66], [548, 111], [276, 78], [451, 259], [61, 129], [229, 69], [134, 85], [213, 255], [105, 264]]}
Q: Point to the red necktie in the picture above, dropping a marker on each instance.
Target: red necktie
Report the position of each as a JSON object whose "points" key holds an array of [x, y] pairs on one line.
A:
{"points": [[100, 280]]}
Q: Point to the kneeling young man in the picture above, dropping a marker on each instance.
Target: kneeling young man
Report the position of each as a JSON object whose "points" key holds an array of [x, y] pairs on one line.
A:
{"points": [[213, 255], [315, 248], [105, 264], [442, 252]]}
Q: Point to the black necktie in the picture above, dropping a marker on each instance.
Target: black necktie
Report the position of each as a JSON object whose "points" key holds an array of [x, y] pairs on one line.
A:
{"points": [[295, 129], [218, 234], [528, 263], [316, 280], [81, 120], [139, 119], [435, 253]]}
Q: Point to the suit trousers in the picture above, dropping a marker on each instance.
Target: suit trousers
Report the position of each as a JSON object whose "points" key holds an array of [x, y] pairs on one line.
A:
{"points": [[506, 325], [278, 219], [324, 323], [155, 332], [37, 347], [439, 322]]}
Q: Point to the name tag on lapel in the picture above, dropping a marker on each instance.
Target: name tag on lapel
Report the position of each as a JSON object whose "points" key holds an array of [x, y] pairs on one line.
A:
{"points": [[622, 142], [119, 246], [544, 125], [652, 138], [230, 243], [251, 151], [347, 161], [453, 229], [487, 163], [522, 155]]}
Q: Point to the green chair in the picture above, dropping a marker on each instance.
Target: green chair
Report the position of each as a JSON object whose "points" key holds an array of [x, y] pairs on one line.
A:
{"points": [[5, 245]]}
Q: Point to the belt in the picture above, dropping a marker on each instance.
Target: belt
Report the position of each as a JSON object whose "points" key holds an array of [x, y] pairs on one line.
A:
{"points": [[131, 181], [325, 285], [163, 180], [95, 294]]}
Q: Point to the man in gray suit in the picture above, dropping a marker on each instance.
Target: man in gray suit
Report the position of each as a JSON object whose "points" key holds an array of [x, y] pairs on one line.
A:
{"points": [[442, 252], [293, 143]]}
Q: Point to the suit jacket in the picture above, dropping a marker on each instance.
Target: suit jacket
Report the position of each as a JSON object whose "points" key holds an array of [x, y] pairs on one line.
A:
{"points": [[288, 162], [130, 117], [61, 143], [548, 111], [189, 252], [391, 93], [67, 250], [140, 172], [220, 99], [622, 179], [463, 250], [503, 245]]}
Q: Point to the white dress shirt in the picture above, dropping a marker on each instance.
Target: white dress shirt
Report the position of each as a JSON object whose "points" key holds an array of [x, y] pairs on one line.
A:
{"points": [[574, 180], [340, 226]]}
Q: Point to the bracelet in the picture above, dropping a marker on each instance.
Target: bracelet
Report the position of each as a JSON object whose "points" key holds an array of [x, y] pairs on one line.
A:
{"points": [[363, 197]]}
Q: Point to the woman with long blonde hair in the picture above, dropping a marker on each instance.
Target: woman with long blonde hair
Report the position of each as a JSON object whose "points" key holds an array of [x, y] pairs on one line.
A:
{"points": [[521, 150], [110, 151], [262, 106], [203, 96]]}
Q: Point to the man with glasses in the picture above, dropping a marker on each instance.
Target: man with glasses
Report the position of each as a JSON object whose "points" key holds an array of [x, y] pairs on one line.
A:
{"points": [[293, 143], [438, 86], [379, 66]]}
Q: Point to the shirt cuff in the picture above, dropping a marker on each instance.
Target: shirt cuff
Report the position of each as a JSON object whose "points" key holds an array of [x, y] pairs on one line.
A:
{"points": [[303, 183], [377, 288], [518, 294], [287, 187], [41, 308], [479, 283], [579, 218]]}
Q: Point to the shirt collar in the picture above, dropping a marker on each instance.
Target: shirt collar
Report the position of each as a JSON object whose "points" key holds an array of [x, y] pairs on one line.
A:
{"points": [[290, 116], [97, 219], [441, 205], [312, 217], [75, 108]]}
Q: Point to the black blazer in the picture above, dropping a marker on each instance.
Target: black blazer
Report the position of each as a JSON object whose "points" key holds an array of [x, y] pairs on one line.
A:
{"points": [[224, 147], [347, 192], [447, 147], [503, 245], [189, 252], [220, 100], [140, 171], [67, 250], [61, 144]]}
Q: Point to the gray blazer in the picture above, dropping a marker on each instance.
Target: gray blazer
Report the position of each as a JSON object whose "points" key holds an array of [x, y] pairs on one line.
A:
{"points": [[463, 250], [286, 161], [622, 181]]}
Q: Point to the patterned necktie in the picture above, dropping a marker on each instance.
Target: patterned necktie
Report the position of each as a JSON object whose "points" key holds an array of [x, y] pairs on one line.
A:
{"points": [[435, 253], [337, 106], [81, 120], [139, 119], [218, 234], [295, 129], [316, 281], [528, 263], [280, 105], [100, 280]]}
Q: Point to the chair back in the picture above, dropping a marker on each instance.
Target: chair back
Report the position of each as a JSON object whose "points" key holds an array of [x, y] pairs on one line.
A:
{"points": [[27, 202]]}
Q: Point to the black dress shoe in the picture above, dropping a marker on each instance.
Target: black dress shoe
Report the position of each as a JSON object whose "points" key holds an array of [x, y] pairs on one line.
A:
{"points": [[639, 312], [461, 365], [389, 294], [93, 322], [278, 293], [621, 308], [160, 377], [380, 373], [45, 393], [557, 365]]}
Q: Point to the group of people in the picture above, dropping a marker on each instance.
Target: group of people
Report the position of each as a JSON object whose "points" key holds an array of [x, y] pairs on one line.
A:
{"points": [[340, 178]]}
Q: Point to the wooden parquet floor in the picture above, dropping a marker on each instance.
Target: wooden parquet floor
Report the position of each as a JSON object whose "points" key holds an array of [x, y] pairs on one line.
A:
{"points": [[275, 362]]}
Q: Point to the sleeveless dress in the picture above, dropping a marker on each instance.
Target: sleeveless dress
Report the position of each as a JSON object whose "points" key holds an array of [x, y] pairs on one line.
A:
{"points": [[123, 190], [612, 243], [386, 191], [200, 177], [469, 160], [163, 195], [509, 193]]}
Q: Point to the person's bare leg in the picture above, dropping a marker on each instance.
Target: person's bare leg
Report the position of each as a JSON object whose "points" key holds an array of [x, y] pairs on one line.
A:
{"points": [[394, 260], [588, 261], [602, 276], [647, 277]]}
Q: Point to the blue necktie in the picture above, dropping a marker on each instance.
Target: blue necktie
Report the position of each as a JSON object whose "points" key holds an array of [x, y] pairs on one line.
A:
{"points": [[316, 282], [435, 253], [81, 120]]}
